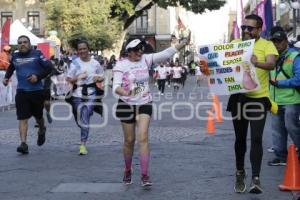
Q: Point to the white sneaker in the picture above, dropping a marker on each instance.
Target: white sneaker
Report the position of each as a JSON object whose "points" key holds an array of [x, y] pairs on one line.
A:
{"points": [[162, 94]]}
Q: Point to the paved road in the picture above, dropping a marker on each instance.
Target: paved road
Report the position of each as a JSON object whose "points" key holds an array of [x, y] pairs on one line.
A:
{"points": [[186, 163]]}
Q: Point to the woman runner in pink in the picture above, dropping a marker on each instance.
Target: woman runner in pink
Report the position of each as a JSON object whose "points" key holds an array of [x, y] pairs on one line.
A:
{"points": [[134, 109]]}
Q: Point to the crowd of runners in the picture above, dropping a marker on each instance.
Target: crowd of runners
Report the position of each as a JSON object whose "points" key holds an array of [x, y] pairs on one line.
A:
{"points": [[81, 79]]}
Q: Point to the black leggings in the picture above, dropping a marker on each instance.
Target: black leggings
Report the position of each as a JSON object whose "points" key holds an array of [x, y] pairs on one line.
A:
{"points": [[161, 85], [241, 122], [169, 80], [183, 79]]}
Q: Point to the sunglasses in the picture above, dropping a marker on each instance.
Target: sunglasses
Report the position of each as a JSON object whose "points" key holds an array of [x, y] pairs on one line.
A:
{"points": [[22, 42], [249, 28]]}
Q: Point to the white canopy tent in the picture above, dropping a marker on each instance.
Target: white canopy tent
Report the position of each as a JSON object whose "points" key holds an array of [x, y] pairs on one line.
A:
{"points": [[17, 29]]}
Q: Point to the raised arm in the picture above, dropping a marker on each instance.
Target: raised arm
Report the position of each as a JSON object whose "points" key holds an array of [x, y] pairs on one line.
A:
{"points": [[160, 56], [167, 53]]}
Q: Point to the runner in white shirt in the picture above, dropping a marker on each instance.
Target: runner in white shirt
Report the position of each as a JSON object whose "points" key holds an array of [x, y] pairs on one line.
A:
{"points": [[198, 75], [84, 73], [134, 109], [161, 78], [169, 69], [177, 70]]}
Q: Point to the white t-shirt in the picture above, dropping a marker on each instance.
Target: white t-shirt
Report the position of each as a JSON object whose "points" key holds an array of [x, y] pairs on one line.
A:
{"points": [[92, 68], [198, 71], [162, 72], [134, 76], [177, 72]]}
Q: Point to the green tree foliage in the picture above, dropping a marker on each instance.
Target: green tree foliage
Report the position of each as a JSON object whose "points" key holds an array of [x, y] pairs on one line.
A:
{"points": [[102, 21], [127, 13], [89, 19]]}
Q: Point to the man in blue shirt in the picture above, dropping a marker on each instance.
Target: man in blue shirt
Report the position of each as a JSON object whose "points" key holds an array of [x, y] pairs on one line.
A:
{"points": [[31, 67], [284, 90]]}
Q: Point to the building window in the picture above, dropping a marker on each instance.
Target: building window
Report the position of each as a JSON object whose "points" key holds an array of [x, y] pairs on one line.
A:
{"points": [[6, 15], [34, 20], [142, 23]]}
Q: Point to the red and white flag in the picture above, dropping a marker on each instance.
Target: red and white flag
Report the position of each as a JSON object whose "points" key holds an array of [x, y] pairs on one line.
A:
{"points": [[5, 33]]}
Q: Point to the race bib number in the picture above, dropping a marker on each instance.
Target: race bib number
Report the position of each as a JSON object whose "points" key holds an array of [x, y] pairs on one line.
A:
{"points": [[139, 88]]}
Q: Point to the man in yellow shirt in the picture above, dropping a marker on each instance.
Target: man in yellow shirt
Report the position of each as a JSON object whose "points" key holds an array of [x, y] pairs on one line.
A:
{"points": [[251, 108]]}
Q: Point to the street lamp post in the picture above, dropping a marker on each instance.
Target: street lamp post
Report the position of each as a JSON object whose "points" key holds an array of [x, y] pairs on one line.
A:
{"points": [[294, 23]]}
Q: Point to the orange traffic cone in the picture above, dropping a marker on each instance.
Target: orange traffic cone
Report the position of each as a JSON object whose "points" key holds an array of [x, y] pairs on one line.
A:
{"points": [[210, 129], [292, 171], [218, 109]]}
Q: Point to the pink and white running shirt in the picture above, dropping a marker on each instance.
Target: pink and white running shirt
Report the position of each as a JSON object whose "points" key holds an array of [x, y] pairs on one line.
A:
{"points": [[177, 71], [134, 76], [162, 72]]}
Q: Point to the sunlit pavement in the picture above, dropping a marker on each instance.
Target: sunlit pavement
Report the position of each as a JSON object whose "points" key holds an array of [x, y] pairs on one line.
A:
{"points": [[186, 163]]}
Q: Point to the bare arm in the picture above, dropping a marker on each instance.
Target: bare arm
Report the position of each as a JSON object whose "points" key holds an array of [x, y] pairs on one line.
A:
{"points": [[72, 80], [98, 78], [120, 91], [268, 65]]}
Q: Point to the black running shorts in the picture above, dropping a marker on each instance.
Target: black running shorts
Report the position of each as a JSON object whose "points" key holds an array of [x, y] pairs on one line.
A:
{"points": [[128, 113], [30, 104], [47, 94]]}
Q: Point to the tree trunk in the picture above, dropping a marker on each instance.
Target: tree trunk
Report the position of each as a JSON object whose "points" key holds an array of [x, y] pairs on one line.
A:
{"points": [[119, 44], [128, 22], [137, 14]]}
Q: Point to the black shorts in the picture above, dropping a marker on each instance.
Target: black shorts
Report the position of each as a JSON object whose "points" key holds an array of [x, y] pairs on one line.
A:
{"points": [[128, 113], [47, 94], [29, 104], [177, 80], [237, 101]]}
